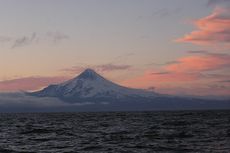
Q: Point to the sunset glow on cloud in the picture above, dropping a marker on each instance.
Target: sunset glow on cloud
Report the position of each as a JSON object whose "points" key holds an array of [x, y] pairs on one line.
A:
{"points": [[29, 83], [186, 72], [200, 63], [181, 83], [214, 28]]}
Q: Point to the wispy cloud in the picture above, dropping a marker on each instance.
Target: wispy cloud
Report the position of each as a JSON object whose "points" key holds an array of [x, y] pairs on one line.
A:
{"points": [[197, 51], [34, 38], [164, 12], [213, 29], [123, 57], [29, 83], [160, 73], [112, 67], [25, 40], [224, 81], [160, 13], [171, 62], [57, 36], [99, 68]]}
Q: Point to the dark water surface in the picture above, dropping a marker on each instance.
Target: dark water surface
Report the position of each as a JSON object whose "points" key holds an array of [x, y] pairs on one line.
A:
{"points": [[118, 132]]}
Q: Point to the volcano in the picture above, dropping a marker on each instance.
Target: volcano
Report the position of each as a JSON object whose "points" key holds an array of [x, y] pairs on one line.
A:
{"points": [[89, 91], [89, 86]]}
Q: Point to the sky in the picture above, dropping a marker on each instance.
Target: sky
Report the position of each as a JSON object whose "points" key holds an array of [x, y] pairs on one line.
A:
{"points": [[178, 47]]}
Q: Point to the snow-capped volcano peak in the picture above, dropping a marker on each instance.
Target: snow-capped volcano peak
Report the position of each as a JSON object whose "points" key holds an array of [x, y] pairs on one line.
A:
{"points": [[88, 77], [90, 86], [88, 74]]}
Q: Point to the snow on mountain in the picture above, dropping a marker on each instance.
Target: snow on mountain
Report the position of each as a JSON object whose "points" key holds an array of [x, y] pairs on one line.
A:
{"points": [[90, 86]]}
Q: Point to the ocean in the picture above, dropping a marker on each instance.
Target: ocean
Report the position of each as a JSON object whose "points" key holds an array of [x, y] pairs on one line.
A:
{"points": [[116, 132]]}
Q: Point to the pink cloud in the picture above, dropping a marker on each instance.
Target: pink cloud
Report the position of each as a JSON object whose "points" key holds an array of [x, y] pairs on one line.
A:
{"points": [[181, 83], [29, 83], [151, 78], [206, 62], [214, 28], [187, 75]]}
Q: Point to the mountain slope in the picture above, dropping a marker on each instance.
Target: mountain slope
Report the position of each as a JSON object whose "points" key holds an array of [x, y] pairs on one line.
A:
{"points": [[90, 86]]}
